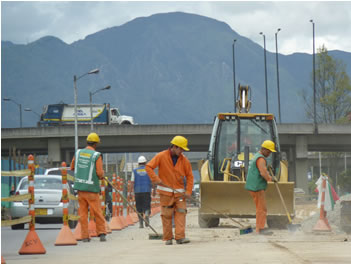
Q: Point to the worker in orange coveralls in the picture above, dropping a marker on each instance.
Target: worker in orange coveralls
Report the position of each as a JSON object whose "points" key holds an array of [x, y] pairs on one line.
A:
{"points": [[174, 172], [256, 184], [87, 166]]}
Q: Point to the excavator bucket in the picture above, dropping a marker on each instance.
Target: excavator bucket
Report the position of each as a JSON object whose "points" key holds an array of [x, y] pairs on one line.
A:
{"points": [[231, 199]]}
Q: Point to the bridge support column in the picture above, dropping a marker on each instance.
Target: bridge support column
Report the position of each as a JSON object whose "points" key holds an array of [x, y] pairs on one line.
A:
{"points": [[291, 156], [68, 156], [301, 163], [54, 152]]}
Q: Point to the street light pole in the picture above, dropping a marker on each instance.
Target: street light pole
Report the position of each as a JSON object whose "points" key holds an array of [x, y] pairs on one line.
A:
{"points": [[30, 110], [265, 69], [234, 75], [19, 105], [75, 115], [75, 79], [91, 104], [276, 58], [314, 84], [91, 111]]}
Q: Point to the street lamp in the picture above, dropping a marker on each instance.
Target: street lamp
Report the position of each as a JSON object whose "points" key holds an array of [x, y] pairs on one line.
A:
{"points": [[91, 104], [265, 69], [314, 84], [75, 79], [30, 110], [234, 75], [276, 58], [19, 105]]}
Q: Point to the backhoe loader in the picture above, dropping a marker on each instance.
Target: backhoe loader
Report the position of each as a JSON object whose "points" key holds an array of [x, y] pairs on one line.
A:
{"points": [[235, 138]]}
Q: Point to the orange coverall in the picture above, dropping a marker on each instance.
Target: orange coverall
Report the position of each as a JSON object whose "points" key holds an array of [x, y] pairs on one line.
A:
{"points": [[172, 202], [91, 200], [259, 196]]}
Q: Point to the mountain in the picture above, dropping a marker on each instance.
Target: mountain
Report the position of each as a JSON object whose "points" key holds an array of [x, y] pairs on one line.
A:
{"points": [[165, 68]]}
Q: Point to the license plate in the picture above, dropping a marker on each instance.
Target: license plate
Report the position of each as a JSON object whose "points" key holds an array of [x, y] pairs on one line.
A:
{"points": [[41, 211]]}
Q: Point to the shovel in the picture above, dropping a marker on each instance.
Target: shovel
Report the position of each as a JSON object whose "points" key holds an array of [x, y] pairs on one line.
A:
{"points": [[155, 236], [291, 227]]}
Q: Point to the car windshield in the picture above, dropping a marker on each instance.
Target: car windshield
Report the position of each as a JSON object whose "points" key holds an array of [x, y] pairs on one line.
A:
{"points": [[43, 183]]}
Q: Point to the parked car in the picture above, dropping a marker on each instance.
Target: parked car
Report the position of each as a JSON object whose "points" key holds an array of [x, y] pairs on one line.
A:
{"points": [[57, 171], [48, 203]]}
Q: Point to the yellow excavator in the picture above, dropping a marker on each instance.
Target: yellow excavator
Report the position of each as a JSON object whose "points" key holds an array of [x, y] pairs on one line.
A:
{"points": [[235, 138]]}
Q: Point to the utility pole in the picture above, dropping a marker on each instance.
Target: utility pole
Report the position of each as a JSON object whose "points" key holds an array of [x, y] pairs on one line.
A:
{"points": [[234, 75]]}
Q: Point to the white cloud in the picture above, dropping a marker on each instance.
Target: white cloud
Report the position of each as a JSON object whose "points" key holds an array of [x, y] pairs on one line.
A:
{"points": [[24, 22]]}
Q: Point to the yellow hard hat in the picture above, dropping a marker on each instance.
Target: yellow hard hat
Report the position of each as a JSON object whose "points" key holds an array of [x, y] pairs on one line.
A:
{"points": [[181, 142], [93, 137], [268, 144]]}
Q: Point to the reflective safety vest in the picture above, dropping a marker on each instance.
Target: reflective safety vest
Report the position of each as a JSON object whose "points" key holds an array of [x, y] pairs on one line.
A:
{"points": [[255, 182], [85, 171], [142, 181]]}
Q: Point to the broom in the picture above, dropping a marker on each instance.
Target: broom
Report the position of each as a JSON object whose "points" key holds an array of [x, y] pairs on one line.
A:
{"points": [[155, 236], [243, 229]]}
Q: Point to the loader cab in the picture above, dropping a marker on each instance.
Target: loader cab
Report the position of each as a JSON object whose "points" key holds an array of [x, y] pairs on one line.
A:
{"points": [[235, 134]]}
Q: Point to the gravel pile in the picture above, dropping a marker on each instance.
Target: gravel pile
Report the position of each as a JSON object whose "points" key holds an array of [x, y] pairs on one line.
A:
{"points": [[332, 216]]}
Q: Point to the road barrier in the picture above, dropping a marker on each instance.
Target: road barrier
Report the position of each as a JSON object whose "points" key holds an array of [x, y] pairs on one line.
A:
{"points": [[32, 243], [115, 223], [322, 223], [129, 218], [103, 204], [65, 237], [120, 201]]}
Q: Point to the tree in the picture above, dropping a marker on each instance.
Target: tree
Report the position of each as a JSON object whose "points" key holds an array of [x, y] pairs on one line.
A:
{"points": [[333, 101], [333, 90]]}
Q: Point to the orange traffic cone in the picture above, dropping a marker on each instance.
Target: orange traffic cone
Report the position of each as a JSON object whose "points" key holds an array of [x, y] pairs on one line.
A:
{"points": [[129, 220], [78, 232], [32, 244], [134, 217], [116, 223], [92, 228], [65, 237], [124, 221], [2, 260]]}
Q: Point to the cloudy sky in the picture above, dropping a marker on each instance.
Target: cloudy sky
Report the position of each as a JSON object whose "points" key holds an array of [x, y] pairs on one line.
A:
{"points": [[24, 22]]}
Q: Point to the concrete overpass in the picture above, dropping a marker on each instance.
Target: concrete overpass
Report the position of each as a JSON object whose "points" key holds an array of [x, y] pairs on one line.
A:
{"points": [[58, 142]]}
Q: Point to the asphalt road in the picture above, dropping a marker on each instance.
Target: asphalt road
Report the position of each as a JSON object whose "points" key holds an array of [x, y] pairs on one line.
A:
{"points": [[219, 245], [12, 240]]}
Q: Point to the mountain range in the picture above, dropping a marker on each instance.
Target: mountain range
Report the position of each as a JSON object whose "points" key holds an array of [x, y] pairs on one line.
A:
{"points": [[163, 69]]}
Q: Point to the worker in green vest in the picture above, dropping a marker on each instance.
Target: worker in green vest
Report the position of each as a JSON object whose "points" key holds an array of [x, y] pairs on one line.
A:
{"points": [[256, 184], [87, 166]]}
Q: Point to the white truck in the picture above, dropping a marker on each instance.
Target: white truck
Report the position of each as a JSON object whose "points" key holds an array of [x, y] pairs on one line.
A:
{"points": [[63, 114]]}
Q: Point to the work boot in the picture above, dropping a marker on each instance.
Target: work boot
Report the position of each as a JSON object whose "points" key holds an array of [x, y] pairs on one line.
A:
{"points": [[169, 242], [183, 240], [86, 239], [102, 237]]}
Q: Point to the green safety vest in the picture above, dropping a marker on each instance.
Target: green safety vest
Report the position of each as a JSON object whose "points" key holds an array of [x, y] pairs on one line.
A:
{"points": [[254, 181], [85, 171]]}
